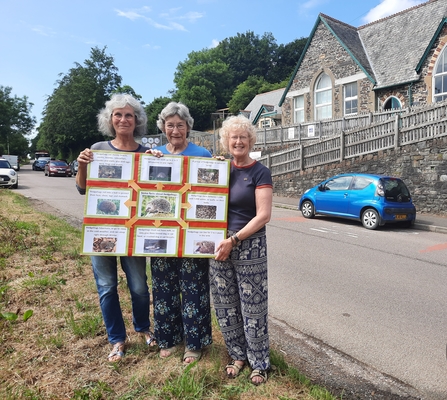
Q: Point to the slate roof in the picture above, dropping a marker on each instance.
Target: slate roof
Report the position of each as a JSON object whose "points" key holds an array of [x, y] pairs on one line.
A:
{"points": [[264, 102], [391, 50], [395, 45]]}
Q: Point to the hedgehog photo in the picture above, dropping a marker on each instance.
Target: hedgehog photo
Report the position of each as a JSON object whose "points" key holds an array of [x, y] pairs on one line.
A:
{"points": [[157, 206], [107, 206], [205, 247]]}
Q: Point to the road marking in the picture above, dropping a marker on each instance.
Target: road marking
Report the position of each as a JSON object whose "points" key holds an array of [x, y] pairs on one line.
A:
{"points": [[436, 247]]}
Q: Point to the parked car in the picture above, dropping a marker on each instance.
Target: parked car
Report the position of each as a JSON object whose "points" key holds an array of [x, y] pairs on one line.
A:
{"points": [[8, 177], [374, 200], [74, 167], [57, 168], [39, 164]]}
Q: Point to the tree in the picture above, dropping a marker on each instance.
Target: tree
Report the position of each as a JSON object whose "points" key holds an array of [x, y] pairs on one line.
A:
{"points": [[203, 74], [16, 123], [69, 124], [286, 59], [248, 54], [152, 111]]}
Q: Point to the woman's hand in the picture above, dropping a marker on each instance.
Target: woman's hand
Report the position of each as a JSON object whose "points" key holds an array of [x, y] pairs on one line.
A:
{"points": [[156, 153], [85, 157], [223, 250]]}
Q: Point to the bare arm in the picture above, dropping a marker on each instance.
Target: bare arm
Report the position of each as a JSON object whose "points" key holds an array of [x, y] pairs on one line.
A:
{"points": [[84, 158], [264, 200]]}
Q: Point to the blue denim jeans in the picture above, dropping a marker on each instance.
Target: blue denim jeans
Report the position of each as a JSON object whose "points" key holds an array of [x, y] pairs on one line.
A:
{"points": [[106, 276]]}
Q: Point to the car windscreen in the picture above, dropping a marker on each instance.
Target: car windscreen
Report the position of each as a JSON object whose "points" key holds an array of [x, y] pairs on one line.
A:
{"points": [[59, 163], [4, 164]]}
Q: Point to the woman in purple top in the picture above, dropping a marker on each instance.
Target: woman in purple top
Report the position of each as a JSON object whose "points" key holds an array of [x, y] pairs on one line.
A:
{"points": [[123, 118], [238, 273]]}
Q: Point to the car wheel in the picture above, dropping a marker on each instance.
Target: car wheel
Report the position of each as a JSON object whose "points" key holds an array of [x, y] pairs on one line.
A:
{"points": [[370, 218], [307, 209], [16, 186]]}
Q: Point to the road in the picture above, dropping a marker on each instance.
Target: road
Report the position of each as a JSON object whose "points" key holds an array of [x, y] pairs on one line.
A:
{"points": [[361, 312]]}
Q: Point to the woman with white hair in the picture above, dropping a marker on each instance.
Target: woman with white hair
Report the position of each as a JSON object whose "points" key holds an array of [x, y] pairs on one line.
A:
{"points": [[238, 273], [123, 118]]}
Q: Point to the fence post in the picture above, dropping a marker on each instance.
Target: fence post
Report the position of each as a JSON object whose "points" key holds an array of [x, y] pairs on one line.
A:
{"points": [[265, 138], [396, 132], [342, 146], [269, 162], [301, 158]]}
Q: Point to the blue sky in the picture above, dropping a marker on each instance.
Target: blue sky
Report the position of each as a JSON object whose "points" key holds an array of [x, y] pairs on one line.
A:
{"points": [[40, 39]]}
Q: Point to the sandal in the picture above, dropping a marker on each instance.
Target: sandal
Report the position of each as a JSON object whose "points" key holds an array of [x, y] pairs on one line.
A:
{"points": [[237, 368], [150, 340], [168, 351], [196, 355], [117, 352], [258, 373]]}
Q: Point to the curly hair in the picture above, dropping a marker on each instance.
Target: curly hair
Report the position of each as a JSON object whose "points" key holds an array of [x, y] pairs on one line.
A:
{"points": [[237, 122], [172, 109], [121, 100]]}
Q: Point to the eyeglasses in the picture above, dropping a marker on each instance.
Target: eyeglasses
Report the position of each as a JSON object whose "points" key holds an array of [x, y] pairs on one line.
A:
{"points": [[119, 116], [241, 138], [171, 127]]}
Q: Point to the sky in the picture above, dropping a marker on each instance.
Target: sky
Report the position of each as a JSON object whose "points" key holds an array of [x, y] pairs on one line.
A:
{"points": [[42, 39]]}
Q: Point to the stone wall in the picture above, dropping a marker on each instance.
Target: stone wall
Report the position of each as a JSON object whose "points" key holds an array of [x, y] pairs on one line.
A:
{"points": [[423, 167]]}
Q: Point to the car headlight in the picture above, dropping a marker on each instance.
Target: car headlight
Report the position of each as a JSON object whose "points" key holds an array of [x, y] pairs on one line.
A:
{"points": [[13, 173]]}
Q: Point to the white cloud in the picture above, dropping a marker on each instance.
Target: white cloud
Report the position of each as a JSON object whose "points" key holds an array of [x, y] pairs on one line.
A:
{"points": [[389, 7], [132, 15], [214, 43], [168, 19], [310, 4], [43, 30]]}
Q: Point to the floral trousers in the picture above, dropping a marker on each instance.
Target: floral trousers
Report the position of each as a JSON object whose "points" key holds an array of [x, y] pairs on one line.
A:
{"points": [[181, 302], [240, 297]]}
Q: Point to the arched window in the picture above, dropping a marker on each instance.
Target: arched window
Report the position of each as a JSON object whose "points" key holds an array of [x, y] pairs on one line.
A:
{"points": [[392, 103], [440, 78], [323, 97]]}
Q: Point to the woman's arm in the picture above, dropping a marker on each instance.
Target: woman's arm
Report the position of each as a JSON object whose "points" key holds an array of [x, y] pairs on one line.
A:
{"points": [[84, 158], [264, 200]]}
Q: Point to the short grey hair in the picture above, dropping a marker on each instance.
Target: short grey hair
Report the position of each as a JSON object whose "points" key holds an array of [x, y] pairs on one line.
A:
{"points": [[237, 122], [121, 100], [172, 109]]}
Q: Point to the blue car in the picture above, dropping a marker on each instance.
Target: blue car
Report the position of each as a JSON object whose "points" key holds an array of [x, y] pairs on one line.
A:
{"points": [[375, 200]]}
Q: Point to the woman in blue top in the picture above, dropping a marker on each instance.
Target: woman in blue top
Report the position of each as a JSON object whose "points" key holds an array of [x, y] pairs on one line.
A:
{"points": [[180, 286], [238, 273]]}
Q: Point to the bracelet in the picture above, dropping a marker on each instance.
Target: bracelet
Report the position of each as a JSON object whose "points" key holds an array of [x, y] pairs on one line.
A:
{"points": [[233, 241], [236, 239]]}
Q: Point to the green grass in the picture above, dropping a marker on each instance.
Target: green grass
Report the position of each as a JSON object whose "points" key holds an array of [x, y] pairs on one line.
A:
{"points": [[53, 342]]}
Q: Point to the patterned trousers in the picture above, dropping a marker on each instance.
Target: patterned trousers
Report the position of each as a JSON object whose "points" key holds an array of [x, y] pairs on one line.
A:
{"points": [[181, 298], [240, 296]]}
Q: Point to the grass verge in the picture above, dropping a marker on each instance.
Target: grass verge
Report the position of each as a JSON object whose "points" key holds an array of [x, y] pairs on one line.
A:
{"points": [[53, 343]]}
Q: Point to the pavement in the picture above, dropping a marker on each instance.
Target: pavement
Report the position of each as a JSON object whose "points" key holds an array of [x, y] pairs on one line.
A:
{"points": [[426, 222]]}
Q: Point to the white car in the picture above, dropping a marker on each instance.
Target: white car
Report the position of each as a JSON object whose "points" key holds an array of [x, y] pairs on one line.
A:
{"points": [[8, 177]]}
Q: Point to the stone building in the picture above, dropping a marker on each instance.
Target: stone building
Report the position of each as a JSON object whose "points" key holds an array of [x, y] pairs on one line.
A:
{"points": [[395, 62]]}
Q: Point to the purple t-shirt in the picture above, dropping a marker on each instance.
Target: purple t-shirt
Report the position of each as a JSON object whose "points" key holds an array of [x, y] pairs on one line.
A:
{"points": [[243, 183]]}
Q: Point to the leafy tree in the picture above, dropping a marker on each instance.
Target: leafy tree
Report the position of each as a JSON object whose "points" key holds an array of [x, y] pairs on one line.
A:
{"points": [[247, 90], [16, 123], [286, 59], [248, 54], [152, 111], [129, 90], [202, 74], [69, 124]]}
